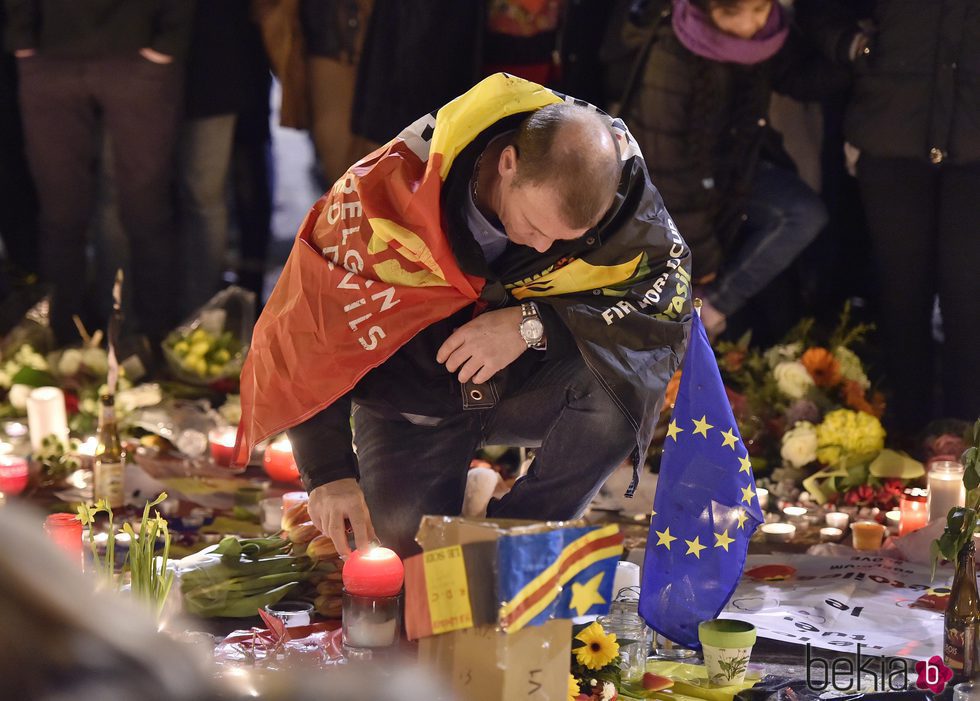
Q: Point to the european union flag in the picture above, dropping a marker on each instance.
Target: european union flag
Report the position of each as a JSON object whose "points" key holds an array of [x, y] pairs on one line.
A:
{"points": [[705, 509], [560, 573]]}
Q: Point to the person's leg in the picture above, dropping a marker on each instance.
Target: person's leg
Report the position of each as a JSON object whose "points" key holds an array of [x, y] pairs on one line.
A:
{"points": [[900, 204], [141, 104], [18, 214], [783, 217], [60, 124], [959, 289], [407, 470], [204, 157], [582, 434]]}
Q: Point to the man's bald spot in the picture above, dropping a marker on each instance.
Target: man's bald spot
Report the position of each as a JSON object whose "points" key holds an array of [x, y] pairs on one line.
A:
{"points": [[572, 149]]}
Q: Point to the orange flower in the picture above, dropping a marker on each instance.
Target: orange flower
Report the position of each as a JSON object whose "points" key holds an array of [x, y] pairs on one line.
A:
{"points": [[670, 396], [854, 398], [822, 366]]}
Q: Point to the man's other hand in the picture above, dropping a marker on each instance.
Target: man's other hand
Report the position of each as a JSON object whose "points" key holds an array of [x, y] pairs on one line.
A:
{"points": [[480, 348], [334, 504], [155, 56]]}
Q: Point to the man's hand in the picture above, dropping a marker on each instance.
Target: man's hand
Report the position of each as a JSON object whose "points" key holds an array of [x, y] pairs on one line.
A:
{"points": [[24, 53], [482, 347], [333, 504], [155, 56]]}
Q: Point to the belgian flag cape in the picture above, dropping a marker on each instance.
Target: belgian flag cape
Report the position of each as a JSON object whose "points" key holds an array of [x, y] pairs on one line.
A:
{"points": [[372, 266]]}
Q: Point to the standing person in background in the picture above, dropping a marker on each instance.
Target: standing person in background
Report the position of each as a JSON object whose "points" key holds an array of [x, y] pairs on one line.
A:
{"points": [[217, 90], [701, 117], [915, 118], [117, 61]]}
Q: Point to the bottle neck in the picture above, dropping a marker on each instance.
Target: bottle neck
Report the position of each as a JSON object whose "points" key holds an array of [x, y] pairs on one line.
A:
{"points": [[107, 414], [966, 562]]}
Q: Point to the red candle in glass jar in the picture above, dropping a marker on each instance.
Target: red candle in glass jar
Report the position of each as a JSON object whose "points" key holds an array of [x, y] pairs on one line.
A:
{"points": [[373, 572], [65, 531], [222, 442], [13, 474], [914, 511], [278, 461]]}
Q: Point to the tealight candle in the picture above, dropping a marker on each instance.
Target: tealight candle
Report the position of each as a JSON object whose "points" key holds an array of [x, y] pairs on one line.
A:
{"points": [[779, 532], [794, 513], [763, 496], [830, 535], [13, 474], [893, 518], [913, 506], [46, 415], [946, 488], [222, 443], [867, 535], [837, 519], [279, 463]]}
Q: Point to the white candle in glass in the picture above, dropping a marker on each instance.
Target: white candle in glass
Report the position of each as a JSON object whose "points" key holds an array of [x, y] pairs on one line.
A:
{"points": [[946, 488], [837, 519], [365, 632], [763, 496], [46, 415]]}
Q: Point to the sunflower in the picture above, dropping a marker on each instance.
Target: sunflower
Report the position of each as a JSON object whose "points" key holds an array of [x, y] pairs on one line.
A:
{"points": [[573, 690], [600, 648]]}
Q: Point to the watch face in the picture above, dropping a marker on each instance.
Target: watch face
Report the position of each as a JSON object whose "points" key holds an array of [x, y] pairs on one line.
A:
{"points": [[532, 330]]}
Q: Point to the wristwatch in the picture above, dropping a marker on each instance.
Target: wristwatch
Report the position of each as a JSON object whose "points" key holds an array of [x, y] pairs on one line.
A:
{"points": [[532, 330]]}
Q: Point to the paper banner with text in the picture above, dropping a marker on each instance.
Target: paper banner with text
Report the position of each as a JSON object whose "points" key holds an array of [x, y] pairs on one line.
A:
{"points": [[836, 603]]}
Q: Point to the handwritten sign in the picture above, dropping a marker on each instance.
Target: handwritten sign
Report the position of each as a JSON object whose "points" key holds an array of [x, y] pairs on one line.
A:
{"points": [[448, 592]]}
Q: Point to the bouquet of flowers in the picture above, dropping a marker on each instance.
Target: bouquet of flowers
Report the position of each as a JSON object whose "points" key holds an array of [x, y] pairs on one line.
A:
{"points": [[808, 406]]}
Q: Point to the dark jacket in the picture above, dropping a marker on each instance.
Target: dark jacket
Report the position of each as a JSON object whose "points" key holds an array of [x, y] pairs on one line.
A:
{"points": [[917, 86], [703, 126], [96, 28], [225, 63], [412, 382]]}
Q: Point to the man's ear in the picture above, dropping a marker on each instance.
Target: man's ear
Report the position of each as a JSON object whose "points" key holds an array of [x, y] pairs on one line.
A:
{"points": [[507, 164]]}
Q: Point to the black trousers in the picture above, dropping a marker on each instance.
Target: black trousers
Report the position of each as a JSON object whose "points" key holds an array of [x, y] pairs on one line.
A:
{"points": [[581, 436], [18, 211], [63, 102], [925, 235]]}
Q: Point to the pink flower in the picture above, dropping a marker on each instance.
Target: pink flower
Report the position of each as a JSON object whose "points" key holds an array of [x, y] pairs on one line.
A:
{"points": [[933, 674]]}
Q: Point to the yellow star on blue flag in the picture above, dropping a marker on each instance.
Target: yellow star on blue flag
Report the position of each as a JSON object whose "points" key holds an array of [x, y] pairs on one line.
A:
{"points": [[705, 495]]}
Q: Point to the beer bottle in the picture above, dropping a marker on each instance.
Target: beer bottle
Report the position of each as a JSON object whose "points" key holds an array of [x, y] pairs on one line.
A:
{"points": [[110, 459], [962, 617]]}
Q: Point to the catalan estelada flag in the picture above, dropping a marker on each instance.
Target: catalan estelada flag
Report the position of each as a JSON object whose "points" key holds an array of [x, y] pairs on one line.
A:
{"points": [[706, 508], [562, 573]]}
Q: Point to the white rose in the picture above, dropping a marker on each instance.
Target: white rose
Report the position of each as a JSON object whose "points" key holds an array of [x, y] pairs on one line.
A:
{"points": [[96, 360], [137, 397], [70, 362], [800, 444], [779, 354], [792, 379], [18, 396]]}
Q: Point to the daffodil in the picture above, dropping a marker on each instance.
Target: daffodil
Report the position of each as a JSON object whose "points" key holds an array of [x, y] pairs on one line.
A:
{"points": [[573, 690], [600, 648]]}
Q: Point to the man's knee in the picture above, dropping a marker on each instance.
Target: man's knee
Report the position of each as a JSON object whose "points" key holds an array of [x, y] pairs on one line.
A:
{"points": [[597, 409]]}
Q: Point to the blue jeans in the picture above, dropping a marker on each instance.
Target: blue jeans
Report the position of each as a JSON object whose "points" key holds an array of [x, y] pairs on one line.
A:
{"points": [[782, 216], [580, 435]]}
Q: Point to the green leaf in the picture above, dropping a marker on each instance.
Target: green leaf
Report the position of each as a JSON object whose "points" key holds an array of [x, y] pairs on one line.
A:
{"points": [[32, 378], [892, 464], [934, 554]]}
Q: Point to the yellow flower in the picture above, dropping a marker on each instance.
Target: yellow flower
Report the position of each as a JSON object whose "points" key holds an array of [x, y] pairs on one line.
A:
{"points": [[573, 690], [845, 432], [600, 648]]}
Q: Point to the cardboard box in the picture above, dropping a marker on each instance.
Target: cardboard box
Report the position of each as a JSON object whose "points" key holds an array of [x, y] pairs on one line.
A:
{"points": [[479, 662]]}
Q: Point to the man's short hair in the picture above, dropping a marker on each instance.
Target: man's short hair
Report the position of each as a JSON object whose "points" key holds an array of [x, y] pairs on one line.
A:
{"points": [[555, 146]]}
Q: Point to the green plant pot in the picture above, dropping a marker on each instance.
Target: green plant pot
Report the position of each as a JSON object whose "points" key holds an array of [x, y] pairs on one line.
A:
{"points": [[726, 645]]}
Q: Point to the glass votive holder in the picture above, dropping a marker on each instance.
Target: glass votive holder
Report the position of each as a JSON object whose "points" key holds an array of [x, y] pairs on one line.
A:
{"points": [[763, 496], [65, 531], [967, 691], [837, 519], [914, 508], [632, 635], [946, 489], [292, 613], [370, 622], [13, 474]]}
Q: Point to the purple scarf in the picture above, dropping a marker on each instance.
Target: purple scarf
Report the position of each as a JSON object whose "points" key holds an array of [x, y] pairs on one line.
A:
{"points": [[699, 34]]}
